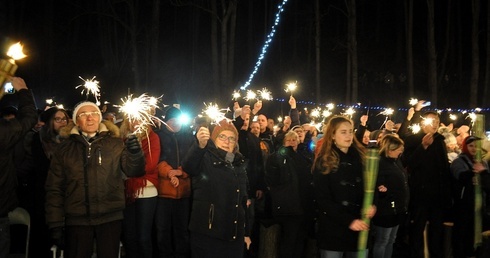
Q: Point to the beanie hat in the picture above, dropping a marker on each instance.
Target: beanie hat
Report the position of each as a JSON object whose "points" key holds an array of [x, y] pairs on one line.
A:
{"points": [[172, 112], [47, 114], [80, 105], [223, 125]]}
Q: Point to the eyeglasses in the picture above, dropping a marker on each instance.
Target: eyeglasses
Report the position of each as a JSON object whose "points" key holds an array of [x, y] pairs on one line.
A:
{"points": [[223, 137], [84, 115], [60, 119]]}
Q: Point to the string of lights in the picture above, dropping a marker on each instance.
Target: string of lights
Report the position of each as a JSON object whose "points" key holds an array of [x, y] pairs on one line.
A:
{"points": [[266, 45]]}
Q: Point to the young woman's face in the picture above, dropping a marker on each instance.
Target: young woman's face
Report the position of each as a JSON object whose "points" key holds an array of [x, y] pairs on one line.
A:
{"points": [[344, 136], [472, 148]]}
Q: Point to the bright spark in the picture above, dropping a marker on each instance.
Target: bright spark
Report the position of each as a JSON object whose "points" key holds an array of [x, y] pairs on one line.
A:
{"points": [[215, 113], [415, 128], [90, 86], [413, 102], [236, 95], [138, 111], [15, 51], [265, 94], [250, 95]]}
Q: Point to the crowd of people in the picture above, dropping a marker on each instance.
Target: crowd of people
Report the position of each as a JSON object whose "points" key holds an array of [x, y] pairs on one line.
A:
{"points": [[240, 187]]}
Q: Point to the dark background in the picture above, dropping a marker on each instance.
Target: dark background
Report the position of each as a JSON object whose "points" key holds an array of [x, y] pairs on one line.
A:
{"points": [[63, 41]]}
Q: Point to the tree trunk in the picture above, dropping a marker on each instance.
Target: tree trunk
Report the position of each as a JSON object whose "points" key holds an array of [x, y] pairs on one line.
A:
{"points": [[486, 86], [447, 41], [432, 55], [475, 59], [214, 46], [231, 48], [154, 34], [317, 51], [409, 45], [352, 17]]}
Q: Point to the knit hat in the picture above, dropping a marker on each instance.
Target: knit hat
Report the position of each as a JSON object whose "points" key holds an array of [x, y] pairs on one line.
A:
{"points": [[172, 112], [47, 114], [80, 105], [223, 125]]}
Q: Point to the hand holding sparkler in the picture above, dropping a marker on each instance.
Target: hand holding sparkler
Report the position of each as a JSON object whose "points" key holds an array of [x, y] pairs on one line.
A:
{"points": [[292, 102], [132, 144], [203, 136], [257, 107]]}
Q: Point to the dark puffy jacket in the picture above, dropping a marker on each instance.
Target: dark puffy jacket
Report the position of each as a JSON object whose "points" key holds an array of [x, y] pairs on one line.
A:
{"points": [[85, 181], [10, 133], [219, 193]]}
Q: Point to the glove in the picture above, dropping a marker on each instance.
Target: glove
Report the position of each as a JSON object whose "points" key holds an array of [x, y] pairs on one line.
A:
{"points": [[58, 237], [132, 144]]}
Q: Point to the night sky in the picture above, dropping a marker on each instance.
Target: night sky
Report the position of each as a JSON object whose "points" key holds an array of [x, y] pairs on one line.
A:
{"points": [[69, 39]]}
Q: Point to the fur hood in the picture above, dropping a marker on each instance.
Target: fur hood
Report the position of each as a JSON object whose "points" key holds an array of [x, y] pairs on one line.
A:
{"points": [[104, 126]]}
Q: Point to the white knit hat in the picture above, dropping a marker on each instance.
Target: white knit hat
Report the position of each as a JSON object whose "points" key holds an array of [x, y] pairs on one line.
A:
{"points": [[80, 105]]}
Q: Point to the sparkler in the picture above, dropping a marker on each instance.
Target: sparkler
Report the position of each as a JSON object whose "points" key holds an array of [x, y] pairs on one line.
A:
{"points": [[326, 113], [415, 128], [265, 94], [387, 112], [215, 113], [316, 112], [413, 102], [453, 117], [8, 67], [138, 111], [349, 112], [251, 95], [290, 87], [90, 86], [330, 106], [236, 95]]}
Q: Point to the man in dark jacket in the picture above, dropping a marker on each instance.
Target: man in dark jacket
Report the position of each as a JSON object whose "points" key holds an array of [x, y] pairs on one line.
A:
{"points": [[85, 184], [429, 181], [11, 132]]}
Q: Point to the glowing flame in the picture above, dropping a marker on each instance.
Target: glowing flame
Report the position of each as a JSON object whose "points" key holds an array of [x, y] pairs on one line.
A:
{"points": [[349, 112], [387, 112], [215, 113], [265, 94], [326, 113], [415, 128], [427, 121], [15, 51], [236, 95], [290, 87], [250, 95], [49, 101], [90, 86], [330, 106], [138, 110], [279, 119], [413, 102]]}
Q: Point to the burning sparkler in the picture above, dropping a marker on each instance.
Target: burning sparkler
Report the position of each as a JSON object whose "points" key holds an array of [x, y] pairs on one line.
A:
{"points": [[349, 112], [251, 95], [215, 113], [290, 87], [415, 128], [265, 94], [90, 86], [236, 95], [138, 111], [413, 102]]}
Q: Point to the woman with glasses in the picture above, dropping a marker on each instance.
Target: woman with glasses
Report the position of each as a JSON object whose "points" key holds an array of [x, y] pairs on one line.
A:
{"points": [[393, 194], [219, 184]]}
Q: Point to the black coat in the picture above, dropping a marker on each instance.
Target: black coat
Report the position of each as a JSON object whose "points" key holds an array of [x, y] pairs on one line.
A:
{"points": [[11, 132], [340, 195], [219, 193], [392, 204], [428, 171]]}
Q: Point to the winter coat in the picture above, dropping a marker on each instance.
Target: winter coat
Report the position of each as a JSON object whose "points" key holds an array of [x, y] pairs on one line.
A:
{"points": [[340, 196], [11, 132], [174, 147], [219, 193], [392, 204], [85, 183], [428, 171]]}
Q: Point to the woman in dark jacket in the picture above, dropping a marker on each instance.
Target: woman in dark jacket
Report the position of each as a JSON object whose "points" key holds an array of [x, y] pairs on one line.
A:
{"points": [[464, 169], [219, 185], [288, 176], [339, 188], [393, 194]]}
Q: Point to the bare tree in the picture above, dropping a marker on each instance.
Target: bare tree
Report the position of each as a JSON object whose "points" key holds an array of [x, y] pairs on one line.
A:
{"points": [[317, 50], [432, 55], [409, 44], [352, 51], [475, 59], [487, 67]]}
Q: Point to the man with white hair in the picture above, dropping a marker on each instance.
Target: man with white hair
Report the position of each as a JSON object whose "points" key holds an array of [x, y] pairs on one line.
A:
{"points": [[85, 184]]}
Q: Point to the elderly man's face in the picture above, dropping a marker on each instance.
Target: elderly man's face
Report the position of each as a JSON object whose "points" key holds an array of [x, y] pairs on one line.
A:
{"points": [[88, 119]]}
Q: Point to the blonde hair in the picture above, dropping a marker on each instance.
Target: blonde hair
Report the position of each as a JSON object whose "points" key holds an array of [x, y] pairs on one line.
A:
{"points": [[289, 135], [389, 142], [327, 159]]}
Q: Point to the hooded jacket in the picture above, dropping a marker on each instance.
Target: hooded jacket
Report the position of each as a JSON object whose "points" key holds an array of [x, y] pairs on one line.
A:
{"points": [[85, 181]]}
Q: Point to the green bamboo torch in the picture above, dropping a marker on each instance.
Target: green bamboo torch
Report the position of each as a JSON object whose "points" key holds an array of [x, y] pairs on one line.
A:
{"points": [[370, 175], [478, 131]]}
